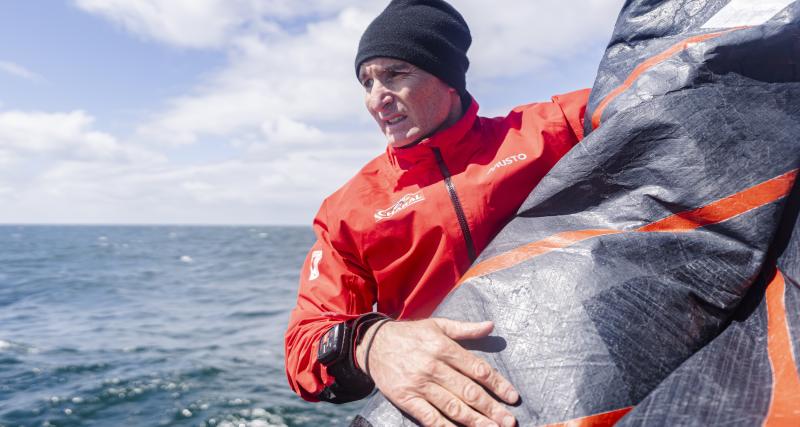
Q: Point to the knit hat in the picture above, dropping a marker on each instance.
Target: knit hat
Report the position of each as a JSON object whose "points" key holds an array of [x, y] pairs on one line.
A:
{"points": [[430, 34]]}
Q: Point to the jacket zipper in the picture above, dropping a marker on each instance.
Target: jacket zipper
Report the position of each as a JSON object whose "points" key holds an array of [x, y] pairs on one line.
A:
{"points": [[462, 219]]}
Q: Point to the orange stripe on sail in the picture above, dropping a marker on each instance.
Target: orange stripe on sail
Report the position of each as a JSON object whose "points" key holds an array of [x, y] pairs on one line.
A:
{"points": [[728, 207], [646, 65], [523, 253], [784, 407], [604, 419], [713, 213]]}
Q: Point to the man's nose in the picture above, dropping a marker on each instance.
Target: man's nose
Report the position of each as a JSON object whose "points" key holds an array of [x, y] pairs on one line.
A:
{"points": [[379, 97]]}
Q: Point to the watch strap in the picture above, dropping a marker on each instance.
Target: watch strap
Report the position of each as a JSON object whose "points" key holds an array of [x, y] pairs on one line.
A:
{"points": [[350, 383]]}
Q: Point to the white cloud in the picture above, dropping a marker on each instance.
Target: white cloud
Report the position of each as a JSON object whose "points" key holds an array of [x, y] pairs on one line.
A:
{"points": [[20, 71], [34, 146], [205, 23], [286, 102], [6, 158], [284, 189], [283, 130], [63, 135], [307, 76], [61, 160], [186, 23], [517, 38]]}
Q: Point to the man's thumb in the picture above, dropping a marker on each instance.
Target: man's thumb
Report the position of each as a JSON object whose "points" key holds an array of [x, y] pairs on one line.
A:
{"points": [[458, 330]]}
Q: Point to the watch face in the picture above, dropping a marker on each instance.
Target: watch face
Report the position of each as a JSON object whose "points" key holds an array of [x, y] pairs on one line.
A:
{"points": [[330, 345]]}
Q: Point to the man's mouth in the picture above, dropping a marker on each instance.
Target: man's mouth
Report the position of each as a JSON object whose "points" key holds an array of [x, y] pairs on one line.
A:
{"points": [[394, 120]]}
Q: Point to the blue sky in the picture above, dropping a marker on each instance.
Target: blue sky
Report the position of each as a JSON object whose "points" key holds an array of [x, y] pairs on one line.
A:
{"points": [[230, 111], [87, 62]]}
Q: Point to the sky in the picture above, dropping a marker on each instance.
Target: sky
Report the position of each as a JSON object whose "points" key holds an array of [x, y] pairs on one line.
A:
{"points": [[232, 111]]}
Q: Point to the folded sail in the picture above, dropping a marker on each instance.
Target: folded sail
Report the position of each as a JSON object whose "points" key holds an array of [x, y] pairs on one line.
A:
{"points": [[653, 277]]}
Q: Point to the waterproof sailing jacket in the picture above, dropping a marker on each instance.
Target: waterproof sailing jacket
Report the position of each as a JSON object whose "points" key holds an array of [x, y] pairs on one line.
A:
{"points": [[404, 230]]}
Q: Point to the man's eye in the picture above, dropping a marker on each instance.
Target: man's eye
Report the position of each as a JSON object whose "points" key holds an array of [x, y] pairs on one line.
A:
{"points": [[394, 74], [367, 83]]}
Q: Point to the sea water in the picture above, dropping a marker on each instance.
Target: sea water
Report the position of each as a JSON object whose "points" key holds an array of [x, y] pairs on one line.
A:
{"points": [[150, 326]]}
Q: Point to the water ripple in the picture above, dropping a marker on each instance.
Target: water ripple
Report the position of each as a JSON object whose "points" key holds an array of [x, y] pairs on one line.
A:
{"points": [[105, 326]]}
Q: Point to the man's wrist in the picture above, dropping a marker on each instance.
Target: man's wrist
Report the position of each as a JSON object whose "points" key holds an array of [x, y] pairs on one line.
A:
{"points": [[369, 340], [361, 347], [364, 332]]}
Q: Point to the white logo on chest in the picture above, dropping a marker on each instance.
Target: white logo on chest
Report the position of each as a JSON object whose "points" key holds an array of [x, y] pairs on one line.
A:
{"points": [[405, 202], [316, 257], [508, 161]]}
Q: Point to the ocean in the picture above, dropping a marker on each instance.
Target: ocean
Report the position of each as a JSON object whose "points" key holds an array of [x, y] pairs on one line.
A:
{"points": [[150, 326]]}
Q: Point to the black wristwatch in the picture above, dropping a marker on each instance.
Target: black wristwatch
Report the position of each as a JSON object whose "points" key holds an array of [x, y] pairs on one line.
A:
{"points": [[333, 343], [336, 351]]}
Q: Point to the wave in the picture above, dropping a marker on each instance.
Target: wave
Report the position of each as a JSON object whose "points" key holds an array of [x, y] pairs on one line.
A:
{"points": [[15, 347], [255, 314]]}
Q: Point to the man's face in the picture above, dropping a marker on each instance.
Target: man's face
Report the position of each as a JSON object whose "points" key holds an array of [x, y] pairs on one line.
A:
{"points": [[407, 103]]}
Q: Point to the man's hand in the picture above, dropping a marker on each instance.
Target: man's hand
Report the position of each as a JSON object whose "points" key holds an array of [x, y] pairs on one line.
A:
{"points": [[421, 369]]}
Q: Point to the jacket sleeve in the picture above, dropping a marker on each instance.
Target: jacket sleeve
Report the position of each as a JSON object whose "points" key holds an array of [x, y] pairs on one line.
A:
{"points": [[334, 287], [573, 106]]}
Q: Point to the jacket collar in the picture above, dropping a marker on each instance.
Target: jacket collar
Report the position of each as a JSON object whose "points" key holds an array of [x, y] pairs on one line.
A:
{"points": [[445, 139]]}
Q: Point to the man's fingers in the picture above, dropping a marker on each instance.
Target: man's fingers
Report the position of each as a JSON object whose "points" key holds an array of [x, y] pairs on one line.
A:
{"points": [[483, 373], [470, 365], [470, 393], [464, 330], [426, 414], [424, 368], [455, 408]]}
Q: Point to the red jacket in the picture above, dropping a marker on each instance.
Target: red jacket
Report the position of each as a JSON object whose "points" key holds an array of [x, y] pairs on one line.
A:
{"points": [[409, 224]]}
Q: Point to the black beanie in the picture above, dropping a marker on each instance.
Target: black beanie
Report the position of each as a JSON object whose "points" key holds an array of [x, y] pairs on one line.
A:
{"points": [[430, 34]]}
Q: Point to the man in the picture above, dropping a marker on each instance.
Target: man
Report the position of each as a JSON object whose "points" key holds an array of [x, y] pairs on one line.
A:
{"points": [[403, 230]]}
